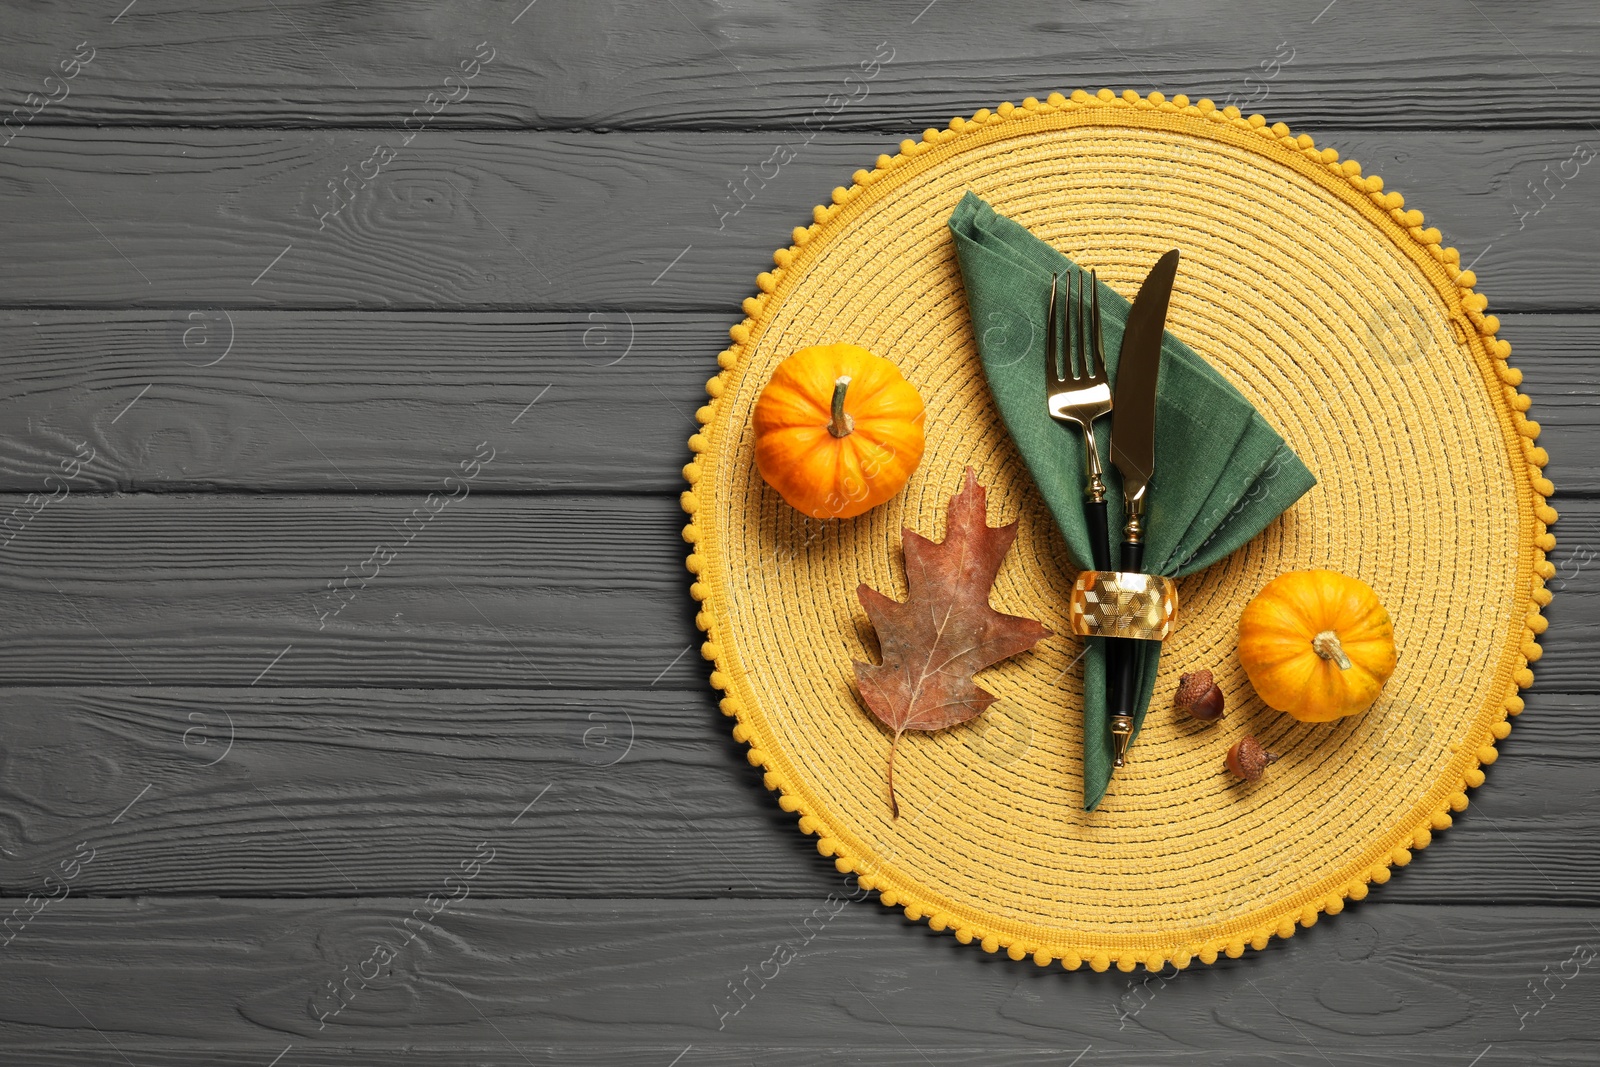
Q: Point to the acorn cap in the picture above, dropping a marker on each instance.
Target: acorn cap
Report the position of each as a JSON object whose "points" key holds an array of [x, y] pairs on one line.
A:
{"points": [[1248, 759], [1193, 686]]}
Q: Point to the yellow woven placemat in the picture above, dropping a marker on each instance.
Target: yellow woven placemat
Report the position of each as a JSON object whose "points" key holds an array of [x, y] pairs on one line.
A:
{"points": [[1351, 329]]}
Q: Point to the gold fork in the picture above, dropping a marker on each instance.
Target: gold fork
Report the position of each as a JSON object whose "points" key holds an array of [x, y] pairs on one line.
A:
{"points": [[1076, 392]]}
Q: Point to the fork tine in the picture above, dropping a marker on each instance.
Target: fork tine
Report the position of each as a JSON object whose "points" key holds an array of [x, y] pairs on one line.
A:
{"points": [[1066, 330], [1080, 353], [1058, 351], [1051, 338], [1069, 371], [1086, 337], [1097, 337]]}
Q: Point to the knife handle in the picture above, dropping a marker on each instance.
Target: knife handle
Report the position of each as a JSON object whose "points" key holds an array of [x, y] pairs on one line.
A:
{"points": [[1124, 670], [1132, 555]]}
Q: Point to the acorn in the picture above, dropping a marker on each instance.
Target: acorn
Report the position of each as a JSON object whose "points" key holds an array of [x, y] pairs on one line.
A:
{"points": [[1248, 759], [1199, 696]]}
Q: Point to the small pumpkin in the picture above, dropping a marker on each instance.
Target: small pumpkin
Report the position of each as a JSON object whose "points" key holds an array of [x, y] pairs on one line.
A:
{"points": [[838, 430], [1317, 645]]}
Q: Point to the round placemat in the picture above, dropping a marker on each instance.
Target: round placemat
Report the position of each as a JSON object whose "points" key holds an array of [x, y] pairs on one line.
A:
{"points": [[1353, 331]]}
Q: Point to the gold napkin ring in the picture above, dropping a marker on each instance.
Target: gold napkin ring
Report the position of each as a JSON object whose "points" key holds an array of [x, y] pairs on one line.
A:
{"points": [[1124, 604]]}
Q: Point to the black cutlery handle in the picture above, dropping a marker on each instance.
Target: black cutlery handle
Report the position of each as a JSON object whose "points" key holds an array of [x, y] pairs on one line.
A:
{"points": [[1094, 511], [1100, 556], [1124, 679]]}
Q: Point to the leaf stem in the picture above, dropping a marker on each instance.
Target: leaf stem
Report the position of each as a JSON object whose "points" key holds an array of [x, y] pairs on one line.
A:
{"points": [[894, 805]]}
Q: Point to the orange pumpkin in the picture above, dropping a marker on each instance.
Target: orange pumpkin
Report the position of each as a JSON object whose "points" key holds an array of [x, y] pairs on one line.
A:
{"points": [[838, 430], [1317, 645]]}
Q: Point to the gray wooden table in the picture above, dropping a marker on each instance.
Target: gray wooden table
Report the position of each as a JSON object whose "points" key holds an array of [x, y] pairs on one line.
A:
{"points": [[283, 283]]}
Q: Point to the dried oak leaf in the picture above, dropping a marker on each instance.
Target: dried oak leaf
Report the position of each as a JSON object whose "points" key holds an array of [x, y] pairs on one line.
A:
{"points": [[945, 631]]}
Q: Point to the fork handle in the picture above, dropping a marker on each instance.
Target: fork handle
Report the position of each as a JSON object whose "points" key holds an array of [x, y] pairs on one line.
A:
{"points": [[1094, 513], [1098, 520], [1094, 502]]}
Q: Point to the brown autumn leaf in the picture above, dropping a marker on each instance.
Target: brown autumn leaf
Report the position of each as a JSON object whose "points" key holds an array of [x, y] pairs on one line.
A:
{"points": [[945, 631]]}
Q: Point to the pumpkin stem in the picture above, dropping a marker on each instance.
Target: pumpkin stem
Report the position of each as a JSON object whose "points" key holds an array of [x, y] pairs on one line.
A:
{"points": [[1326, 645], [842, 424]]}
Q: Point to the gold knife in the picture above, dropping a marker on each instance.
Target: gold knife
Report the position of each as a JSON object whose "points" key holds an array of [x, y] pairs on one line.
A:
{"points": [[1133, 453]]}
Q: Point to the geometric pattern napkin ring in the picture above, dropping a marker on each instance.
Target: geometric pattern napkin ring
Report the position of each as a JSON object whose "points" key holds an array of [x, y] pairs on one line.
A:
{"points": [[1124, 604]]}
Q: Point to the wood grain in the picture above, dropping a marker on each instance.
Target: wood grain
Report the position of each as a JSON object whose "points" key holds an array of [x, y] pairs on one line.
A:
{"points": [[1565, 1053], [606, 794], [491, 591], [494, 592], [1559, 1053], [198, 218], [247, 973], [695, 64], [329, 401]]}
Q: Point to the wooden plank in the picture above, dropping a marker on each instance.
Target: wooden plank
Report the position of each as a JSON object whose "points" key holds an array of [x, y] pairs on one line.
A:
{"points": [[313, 401], [198, 218], [493, 592], [696, 64], [1559, 356], [1567, 1054], [303, 401], [1572, 1053], [1379, 980], [478, 592], [641, 793]]}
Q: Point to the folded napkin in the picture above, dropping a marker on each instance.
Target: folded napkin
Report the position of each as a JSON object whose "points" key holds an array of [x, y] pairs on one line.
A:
{"points": [[1222, 473]]}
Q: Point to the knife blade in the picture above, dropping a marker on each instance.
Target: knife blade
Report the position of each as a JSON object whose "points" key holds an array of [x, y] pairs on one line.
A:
{"points": [[1133, 453], [1133, 429]]}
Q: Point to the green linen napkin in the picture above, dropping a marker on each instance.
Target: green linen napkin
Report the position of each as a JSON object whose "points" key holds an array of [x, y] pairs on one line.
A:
{"points": [[1222, 473]]}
